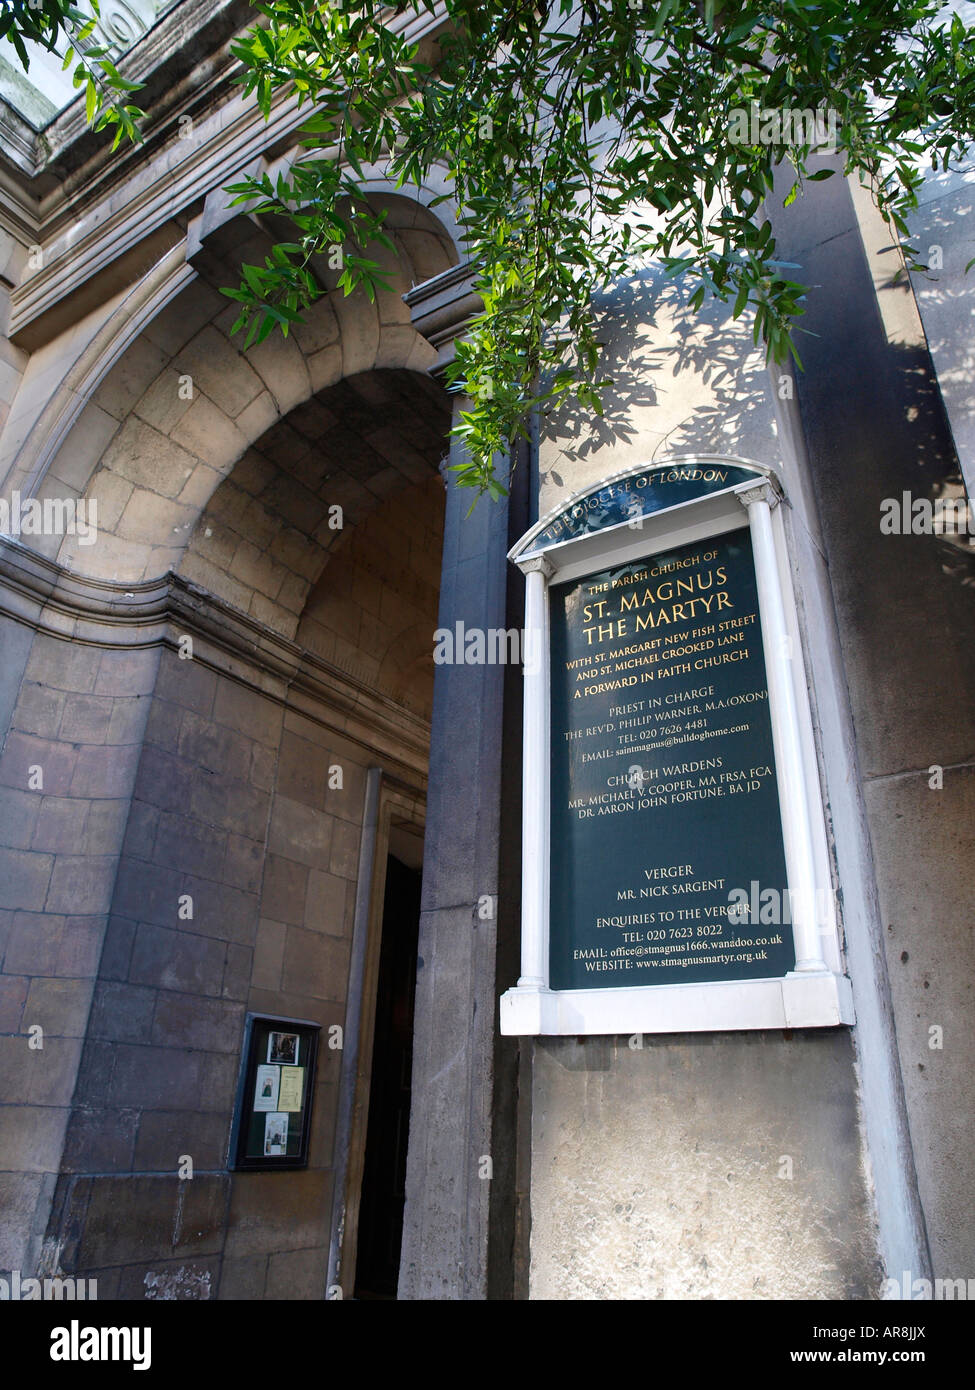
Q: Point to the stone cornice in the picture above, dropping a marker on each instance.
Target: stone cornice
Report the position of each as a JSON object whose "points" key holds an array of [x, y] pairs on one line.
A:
{"points": [[82, 231], [50, 599], [442, 307], [192, 24]]}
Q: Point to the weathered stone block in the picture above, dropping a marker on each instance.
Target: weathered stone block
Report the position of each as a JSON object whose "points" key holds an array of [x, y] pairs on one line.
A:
{"points": [[56, 762], [255, 716], [34, 944], [222, 911], [186, 1020], [344, 859], [117, 950], [162, 406], [99, 1140], [165, 1137], [121, 1012], [187, 844], [62, 665], [60, 825], [154, 1077], [219, 1084], [59, 1006], [163, 724], [214, 746], [126, 672], [243, 863], [219, 371], [138, 1219], [300, 833], [15, 1070], [138, 367], [297, 1274], [232, 805], [285, 886], [148, 459], [81, 884], [53, 1071], [175, 960], [24, 878], [315, 964], [237, 972], [302, 771], [148, 892], [140, 830], [40, 709], [105, 826], [268, 955], [19, 1193], [322, 1142], [81, 943], [188, 684], [266, 1218], [31, 1138], [86, 718], [105, 772], [18, 816], [243, 1278], [209, 433], [327, 903]]}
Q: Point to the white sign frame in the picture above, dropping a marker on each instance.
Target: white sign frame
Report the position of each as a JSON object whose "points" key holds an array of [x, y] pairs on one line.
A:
{"points": [[816, 994]]}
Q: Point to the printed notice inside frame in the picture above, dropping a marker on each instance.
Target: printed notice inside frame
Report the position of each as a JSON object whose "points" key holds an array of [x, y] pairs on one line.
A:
{"points": [[272, 1117]]}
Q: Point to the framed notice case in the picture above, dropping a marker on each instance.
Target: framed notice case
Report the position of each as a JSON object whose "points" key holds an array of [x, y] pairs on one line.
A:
{"points": [[676, 871], [272, 1116]]}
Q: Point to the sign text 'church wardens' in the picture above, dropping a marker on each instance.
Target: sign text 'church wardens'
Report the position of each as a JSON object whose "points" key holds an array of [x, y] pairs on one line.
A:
{"points": [[665, 810]]}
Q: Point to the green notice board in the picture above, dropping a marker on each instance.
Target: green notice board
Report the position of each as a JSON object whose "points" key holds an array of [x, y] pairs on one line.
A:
{"points": [[272, 1121], [664, 797]]}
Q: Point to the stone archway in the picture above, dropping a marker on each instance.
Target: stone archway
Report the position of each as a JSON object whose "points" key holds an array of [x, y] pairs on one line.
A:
{"points": [[182, 404], [211, 781]]}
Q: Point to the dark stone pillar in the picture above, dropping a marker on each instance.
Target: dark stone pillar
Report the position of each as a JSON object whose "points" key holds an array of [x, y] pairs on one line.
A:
{"points": [[465, 1231], [448, 1194]]}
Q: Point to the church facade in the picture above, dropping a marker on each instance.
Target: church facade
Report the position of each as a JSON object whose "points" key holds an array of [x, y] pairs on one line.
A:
{"points": [[253, 801]]}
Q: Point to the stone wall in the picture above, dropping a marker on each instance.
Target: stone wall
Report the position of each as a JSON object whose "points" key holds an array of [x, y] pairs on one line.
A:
{"points": [[373, 612], [71, 747], [699, 1166], [875, 427], [658, 1171], [192, 856]]}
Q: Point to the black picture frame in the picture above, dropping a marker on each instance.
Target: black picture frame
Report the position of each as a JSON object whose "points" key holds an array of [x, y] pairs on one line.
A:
{"points": [[264, 1137]]}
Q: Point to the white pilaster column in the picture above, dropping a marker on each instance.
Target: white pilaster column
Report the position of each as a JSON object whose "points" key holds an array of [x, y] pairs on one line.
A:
{"points": [[535, 778], [796, 830]]}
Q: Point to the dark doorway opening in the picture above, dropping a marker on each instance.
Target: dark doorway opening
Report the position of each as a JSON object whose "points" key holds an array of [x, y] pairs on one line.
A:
{"points": [[383, 1192]]}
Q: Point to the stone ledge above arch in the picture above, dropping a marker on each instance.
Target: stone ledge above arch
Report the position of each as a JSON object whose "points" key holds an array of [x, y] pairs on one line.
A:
{"points": [[183, 404], [41, 595]]}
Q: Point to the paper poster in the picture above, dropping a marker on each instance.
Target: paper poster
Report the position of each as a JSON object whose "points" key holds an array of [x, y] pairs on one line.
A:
{"points": [[275, 1134], [266, 1088], [292, 1084], [283, 1048]]}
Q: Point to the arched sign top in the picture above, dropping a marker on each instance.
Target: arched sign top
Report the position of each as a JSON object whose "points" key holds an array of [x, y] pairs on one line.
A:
{"points": [[638, 492]]}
